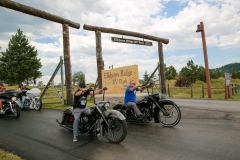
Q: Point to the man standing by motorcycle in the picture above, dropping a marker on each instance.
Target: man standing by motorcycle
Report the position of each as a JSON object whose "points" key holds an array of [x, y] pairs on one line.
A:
{"points": [[24, 90], [130, 98], [2, 89], [79, 106]]}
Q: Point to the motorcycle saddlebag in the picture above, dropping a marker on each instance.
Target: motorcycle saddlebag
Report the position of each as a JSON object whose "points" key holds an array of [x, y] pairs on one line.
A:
{"points": [[66, 113]]}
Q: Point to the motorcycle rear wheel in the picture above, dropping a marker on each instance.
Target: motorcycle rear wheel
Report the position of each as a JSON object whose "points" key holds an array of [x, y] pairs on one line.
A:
{"points": [[118, 131], [16, 112], [173, 117]]}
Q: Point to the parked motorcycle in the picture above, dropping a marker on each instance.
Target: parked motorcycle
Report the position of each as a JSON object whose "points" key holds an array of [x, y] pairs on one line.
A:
{"points": [[98, 121], [10, 105], [33, 100], [163, 111]]}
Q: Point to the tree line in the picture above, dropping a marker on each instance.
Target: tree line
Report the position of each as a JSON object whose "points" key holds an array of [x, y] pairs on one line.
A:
{"points": [[190, 74]]}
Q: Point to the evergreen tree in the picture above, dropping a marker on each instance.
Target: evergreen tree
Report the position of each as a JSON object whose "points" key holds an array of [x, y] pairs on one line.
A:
{"points": [[145, 76], [170, 72], [19, 63], [78, 77], [190, 72], [201, 74]]}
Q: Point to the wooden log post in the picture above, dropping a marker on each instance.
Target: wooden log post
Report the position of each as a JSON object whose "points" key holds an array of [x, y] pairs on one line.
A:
{"points": [[99, 57], [202, 90], [236, 86], [162, 72], [62, 83], [191, 91], [67, 62], [169, 91]]}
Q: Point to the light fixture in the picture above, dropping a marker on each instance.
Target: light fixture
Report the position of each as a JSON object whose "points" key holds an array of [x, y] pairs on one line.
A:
{"points": [[199, 28]]}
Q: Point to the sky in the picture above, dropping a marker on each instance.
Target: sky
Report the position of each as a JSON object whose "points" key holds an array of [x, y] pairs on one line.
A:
{"points": [[175, 20]]}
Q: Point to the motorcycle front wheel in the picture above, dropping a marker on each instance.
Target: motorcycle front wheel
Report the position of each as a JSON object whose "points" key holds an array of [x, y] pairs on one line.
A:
{"points": [[172, 116], [16, 111], [117, 131], [38, 104]]}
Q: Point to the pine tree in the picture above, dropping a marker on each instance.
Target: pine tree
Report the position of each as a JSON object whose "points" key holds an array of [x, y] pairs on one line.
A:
{"points": [[78, 77], [145, 76], [170, 73], [19, 63], [190, 72]]}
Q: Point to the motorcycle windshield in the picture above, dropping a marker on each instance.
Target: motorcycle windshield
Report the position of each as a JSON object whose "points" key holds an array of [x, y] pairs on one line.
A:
{"points": [[34, 92], [8, 94]]}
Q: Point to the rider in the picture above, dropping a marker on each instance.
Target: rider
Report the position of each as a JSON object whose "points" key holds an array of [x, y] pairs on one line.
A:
{"points": [[79, 106], [24, 90], [2, 89], [20, 86], [130, 98]]}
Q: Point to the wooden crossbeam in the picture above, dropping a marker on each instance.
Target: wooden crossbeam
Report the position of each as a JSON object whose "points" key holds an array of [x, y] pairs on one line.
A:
{"points": [[38, 13]]}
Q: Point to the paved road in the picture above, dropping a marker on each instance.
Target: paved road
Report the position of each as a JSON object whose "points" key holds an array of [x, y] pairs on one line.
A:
{"points": [[208, 131]]}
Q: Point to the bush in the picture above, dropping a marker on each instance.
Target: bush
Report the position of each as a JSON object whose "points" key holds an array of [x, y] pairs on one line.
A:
{"points": [[182, 82]]}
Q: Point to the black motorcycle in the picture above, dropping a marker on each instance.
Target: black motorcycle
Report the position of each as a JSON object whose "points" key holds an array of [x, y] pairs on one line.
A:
{"points": [[10, 104], [163, 111], [98, 121]]}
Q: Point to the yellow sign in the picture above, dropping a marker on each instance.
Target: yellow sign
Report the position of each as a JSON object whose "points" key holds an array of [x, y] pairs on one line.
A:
{"points": [[116, 80]]}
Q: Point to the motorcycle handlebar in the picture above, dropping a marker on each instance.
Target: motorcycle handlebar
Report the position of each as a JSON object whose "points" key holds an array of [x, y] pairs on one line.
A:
{"points": [[90, 89]]}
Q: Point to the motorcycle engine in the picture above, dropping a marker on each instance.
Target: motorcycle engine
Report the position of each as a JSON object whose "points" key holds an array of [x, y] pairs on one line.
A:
{"points": [[85, 119], [27, 103], [146, 113]]}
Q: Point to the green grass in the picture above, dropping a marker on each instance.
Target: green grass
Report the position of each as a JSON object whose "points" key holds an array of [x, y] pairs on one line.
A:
{"points": [[8, 156], [217, 89]]}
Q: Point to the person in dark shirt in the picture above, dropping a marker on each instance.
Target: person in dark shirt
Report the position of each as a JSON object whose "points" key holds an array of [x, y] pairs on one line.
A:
{"points": [[79, 106], [24, 90]]}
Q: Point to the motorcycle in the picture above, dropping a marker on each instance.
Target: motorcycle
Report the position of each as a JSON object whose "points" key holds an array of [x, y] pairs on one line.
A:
{"points": [[10, 105], [163, 111], [98, 121], [33, 100]]}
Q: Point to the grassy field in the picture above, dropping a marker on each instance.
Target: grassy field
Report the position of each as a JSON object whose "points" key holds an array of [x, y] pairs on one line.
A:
{"points": [[217, 89]]}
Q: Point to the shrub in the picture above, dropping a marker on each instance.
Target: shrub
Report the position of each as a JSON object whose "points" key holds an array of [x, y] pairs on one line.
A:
{"points": [[182, 82]]}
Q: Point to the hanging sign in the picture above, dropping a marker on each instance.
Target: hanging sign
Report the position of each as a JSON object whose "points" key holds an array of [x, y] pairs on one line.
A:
{"points": [[116, 80], [131, 41]]}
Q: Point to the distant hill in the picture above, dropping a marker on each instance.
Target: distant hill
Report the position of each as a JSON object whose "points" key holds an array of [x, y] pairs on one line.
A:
{"points": [[229, 68]]}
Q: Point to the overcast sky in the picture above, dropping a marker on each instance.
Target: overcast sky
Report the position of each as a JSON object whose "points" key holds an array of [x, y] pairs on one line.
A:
{"points": [[175, 20]]}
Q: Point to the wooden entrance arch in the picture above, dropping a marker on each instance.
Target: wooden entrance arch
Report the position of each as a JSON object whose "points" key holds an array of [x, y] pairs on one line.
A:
{"points": [[66, 43], [99, 57]]}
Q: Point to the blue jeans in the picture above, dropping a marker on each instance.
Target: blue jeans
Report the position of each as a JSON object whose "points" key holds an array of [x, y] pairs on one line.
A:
{"points": [[77, 113], [23, 100]]}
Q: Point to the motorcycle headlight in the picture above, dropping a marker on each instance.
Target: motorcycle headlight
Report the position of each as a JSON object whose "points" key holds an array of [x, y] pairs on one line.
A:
{"points": [[106, 105], [14, 99]]}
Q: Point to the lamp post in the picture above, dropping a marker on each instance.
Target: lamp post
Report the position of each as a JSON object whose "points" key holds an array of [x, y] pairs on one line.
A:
{"points": [[201, 29]]}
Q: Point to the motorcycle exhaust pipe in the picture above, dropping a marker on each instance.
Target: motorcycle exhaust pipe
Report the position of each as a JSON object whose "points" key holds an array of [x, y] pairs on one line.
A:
{"points": [[63, 125]]}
